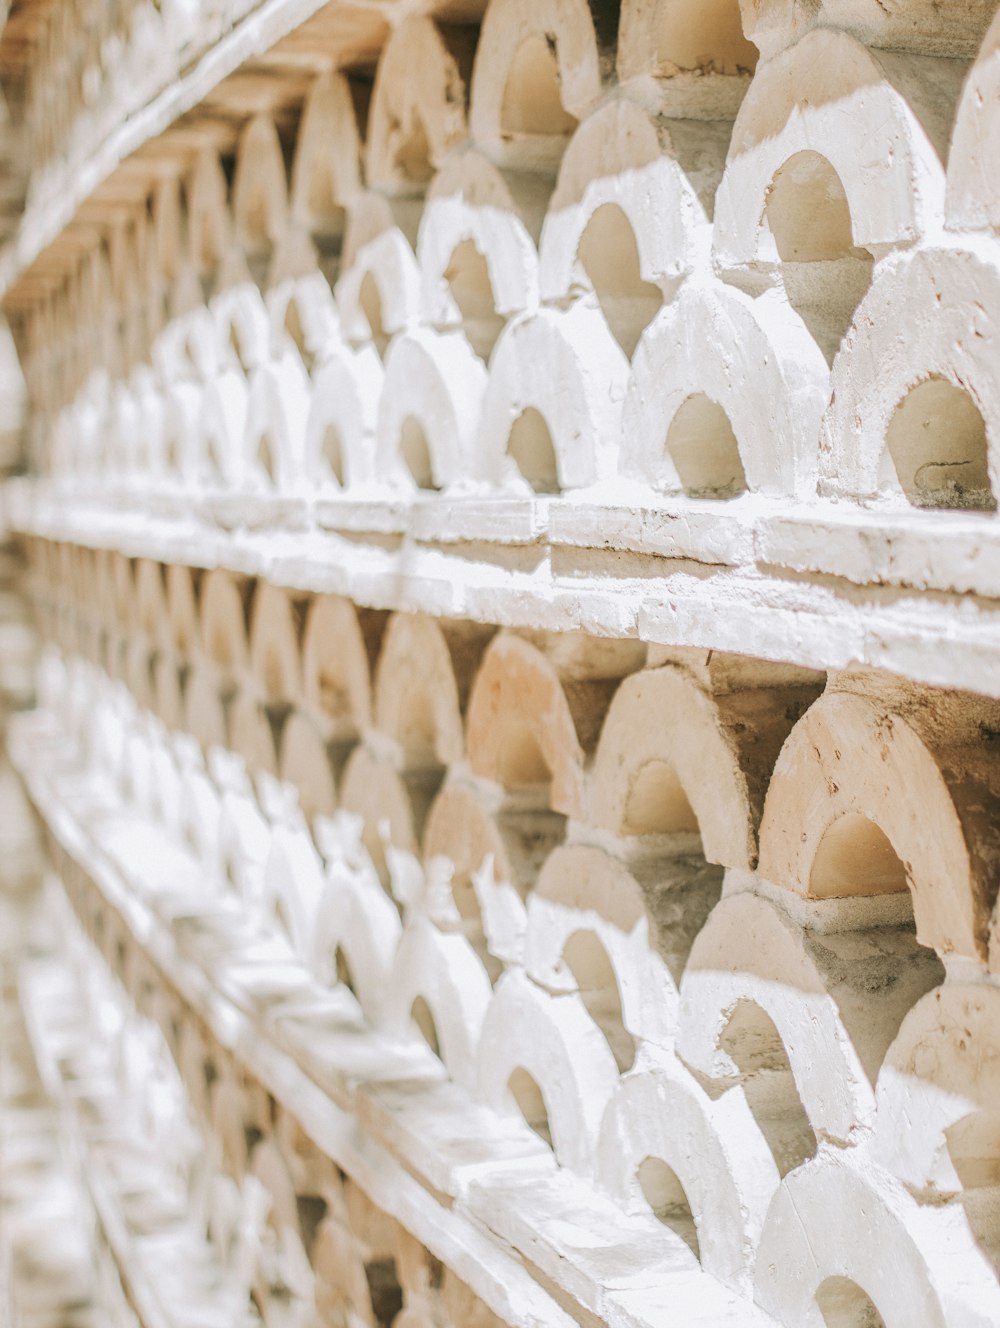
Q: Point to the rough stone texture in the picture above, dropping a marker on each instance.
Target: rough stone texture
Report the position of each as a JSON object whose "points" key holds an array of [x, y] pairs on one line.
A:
{"points": [[510, 517]]}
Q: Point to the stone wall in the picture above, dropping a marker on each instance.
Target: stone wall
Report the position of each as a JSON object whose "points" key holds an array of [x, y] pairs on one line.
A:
{"points": [[512, 529]]}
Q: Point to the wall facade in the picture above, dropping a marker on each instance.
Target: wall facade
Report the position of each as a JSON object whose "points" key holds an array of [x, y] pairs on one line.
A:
{"points": [[509, 519]]}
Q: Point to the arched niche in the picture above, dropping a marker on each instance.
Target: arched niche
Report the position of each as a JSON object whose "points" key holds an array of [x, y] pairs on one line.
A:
{"points": [[621, 170], [276, 626], [850, 757], [340, 430], [336, 670], [937, 443], [536, 74], [726, 392], [519, 728], [920, 424], [260, 194], [566, 368], [796, 105], [416, 694], [824, 273], [428, 417], [418, 103], [476, 246]]}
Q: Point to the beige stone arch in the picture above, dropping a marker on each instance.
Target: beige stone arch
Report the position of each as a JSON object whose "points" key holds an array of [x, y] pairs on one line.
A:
{"points": [[417, 110], [673, 759], [536, 74], [277, 622], [182, 589], [519, 728], [250, 734], [727, 393], [416, 693], [692, 55], [326, 171], [850, 765], [428, 416], [260, 192], [224, 611], [306, 762], [336, 670], [887, 159], [209, 220]]}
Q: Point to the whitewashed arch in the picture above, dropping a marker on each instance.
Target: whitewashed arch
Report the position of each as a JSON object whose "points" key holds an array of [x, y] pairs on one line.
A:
{"points": [[798, 102], [554, 1039], [569, 368], [437, 381], [950, 298], [754, 359]]}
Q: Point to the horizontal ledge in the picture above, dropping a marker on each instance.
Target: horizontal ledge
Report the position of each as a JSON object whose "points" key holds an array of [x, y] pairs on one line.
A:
{"points": [[814, 620]]}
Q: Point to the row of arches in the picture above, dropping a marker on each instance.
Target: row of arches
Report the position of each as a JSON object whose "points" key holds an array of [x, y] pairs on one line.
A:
{"points": [[281, 382], [758, 1049], [287, 1232], [560, 723]]}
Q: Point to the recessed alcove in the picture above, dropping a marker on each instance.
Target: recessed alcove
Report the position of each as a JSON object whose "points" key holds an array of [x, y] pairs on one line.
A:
{"points": [[530, 1102], [609, 255], [665, 1195], [855, 857], [825, 273], [702, 37], [468, 278], [843, 1304], [753, 1042], [704, 450], [416, 453], [592, 969], [657, 803], [531, 448], [937, 444], [532, 96]]}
